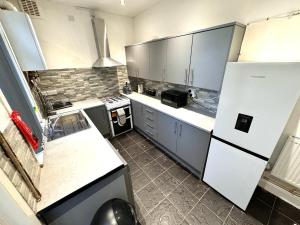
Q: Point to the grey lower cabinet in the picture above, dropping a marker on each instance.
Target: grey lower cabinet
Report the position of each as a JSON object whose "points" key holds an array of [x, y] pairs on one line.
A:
{"points": [[186, 142], [138, 116], [192, 145], [167, 132], [99, 117]]}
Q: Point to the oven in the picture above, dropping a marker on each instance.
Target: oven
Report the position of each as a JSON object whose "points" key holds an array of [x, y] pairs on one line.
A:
{"points": [[116, 128]]}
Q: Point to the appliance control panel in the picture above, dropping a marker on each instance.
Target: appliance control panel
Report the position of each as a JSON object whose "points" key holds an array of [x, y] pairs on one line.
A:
{"points": [[243, 122]]}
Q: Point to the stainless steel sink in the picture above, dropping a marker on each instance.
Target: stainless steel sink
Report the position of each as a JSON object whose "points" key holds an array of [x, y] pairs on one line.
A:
{"points": [[66, 124]]}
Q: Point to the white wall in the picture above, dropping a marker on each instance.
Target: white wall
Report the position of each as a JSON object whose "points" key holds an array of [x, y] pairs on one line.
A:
{"points": [[70, 44], [170, 17]]}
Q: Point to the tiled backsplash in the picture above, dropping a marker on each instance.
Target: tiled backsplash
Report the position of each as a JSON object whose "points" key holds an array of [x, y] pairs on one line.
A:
{"points": [[207, 100], [82, 84]]}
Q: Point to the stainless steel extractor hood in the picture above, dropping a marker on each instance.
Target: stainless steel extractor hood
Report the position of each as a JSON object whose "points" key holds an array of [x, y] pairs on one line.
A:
{"points": [[102, 45]]}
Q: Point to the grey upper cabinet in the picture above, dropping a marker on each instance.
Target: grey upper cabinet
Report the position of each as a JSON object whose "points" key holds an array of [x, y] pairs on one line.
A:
{"points": [[167, 129], [211, 51], [137, 58], [209, 57], [178, 59], [192, 145], [157, 60], [142, 60], [138, 117], [130, 60]]}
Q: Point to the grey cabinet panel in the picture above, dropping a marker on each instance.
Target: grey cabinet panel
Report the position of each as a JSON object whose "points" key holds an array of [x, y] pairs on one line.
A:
{"points": [[99, 117], [192, 145], [137, 112], [130, 61], [150, 122], [157, 60], [142, 60], [209, 56], [178, 59], [167, 129]]}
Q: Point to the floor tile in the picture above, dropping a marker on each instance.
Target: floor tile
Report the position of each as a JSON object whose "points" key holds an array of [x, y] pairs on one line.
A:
{"points": [[125, 155], [259, 210], [279, 219], [178, 172], [145, 144], [215, 202], [165, 161], [153, 169], [230, 221], [182, 199], [133, 167], [166, 183], [242, 218], [150, 196], [139, 180], [125, 141], [134, 150], [164, 214], [143, 159], [195, 185], [139, 208], [201, 215], [287, 209], [154, 152], [264, 196], [184, 222], [136, 137]]}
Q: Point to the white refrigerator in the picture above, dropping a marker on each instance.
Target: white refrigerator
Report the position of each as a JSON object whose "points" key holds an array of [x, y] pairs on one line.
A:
{"points": [[255, 104]]}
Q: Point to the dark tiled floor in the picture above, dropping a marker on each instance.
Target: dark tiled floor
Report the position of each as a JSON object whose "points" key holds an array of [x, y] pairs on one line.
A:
{"points": [[167, 194]]}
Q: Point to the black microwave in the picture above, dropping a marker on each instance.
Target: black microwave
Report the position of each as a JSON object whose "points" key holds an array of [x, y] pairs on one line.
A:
{"points": [[174, 98]]}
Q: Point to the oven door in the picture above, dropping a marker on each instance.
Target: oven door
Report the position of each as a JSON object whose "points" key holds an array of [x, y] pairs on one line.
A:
{"points": [[115, 127]]}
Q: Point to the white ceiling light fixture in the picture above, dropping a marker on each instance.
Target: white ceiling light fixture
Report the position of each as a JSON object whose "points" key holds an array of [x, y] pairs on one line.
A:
{"points": [[122, 2]]}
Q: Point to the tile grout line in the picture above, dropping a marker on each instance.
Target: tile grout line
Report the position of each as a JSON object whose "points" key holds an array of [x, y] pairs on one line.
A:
{"points": [[228, 215], [166, 197], [196, 204], [272, 209]]}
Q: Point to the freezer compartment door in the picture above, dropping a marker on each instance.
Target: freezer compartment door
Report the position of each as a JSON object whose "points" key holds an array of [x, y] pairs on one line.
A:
{"points": [[232, 172]]}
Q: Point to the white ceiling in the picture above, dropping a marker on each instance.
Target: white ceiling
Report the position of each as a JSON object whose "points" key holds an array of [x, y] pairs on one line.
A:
{"points": [[131, 8]]}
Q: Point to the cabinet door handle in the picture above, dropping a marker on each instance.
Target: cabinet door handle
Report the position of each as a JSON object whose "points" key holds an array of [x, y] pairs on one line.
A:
{"points": [[149, 132], [149, 125], [192, 78], [180, 130], [148, 118], [149, 111], [175, 128]]}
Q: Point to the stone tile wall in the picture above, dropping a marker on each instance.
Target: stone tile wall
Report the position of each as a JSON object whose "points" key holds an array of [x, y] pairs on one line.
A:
{"points": [[82, 84], [26, 158], [207, 100]]}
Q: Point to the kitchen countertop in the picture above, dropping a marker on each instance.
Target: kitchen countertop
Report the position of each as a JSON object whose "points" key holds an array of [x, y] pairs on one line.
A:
{"points": [[195, 119], [74, 161]]}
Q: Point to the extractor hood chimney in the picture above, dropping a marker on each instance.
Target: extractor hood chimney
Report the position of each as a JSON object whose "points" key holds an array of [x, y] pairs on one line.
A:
{"points": [[102, 45]]}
